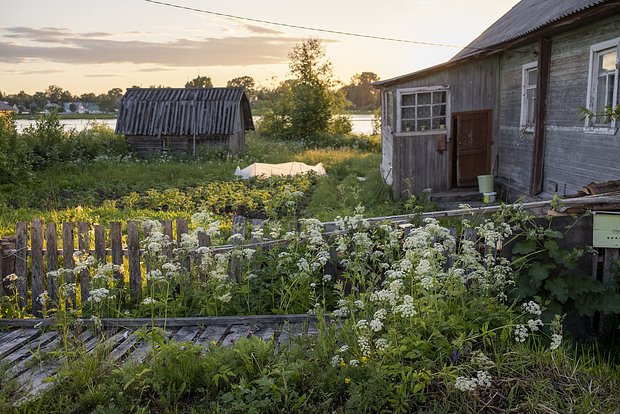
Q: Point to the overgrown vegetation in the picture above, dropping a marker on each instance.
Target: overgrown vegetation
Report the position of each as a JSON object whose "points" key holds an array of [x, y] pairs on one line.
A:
{"points": [[423, 325]]}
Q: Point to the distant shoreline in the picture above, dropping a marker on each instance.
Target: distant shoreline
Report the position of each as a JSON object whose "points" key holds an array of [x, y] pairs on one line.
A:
{"points": [[30, 117]]}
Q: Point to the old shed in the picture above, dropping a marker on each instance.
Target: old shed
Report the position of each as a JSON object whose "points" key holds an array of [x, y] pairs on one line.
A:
{"points": [[184, 120]]}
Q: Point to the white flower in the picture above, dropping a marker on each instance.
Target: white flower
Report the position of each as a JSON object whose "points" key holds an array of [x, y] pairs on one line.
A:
{"points": [[225, 298], [97, 295], [465, 384], [381, 343], [148, 301], [484, 379], [532, 307], [336, 360], [556, 341], [354, 362], [362, 324], [521, 333], [533, 324], [364, 345], [343, 349], [358, 303], [11, 278], [43, 298], [376, 325], [327, 278]]}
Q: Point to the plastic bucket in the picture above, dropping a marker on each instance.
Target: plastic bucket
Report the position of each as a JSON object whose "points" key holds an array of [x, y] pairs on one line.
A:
{"points": [[485, 183], [489, 197]]}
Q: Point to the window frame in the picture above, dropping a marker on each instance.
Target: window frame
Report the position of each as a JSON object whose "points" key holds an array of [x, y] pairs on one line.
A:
{"points": [[525, 69], [591, 95], [416, 90], [388, 110]]}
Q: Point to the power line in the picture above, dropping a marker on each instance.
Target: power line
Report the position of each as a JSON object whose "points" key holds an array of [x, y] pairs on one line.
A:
{"points": [[390, 39]]}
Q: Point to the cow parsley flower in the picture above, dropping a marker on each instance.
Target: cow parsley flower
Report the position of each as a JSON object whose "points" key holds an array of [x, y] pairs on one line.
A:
{"points": [[556, 341], [521, 333]]}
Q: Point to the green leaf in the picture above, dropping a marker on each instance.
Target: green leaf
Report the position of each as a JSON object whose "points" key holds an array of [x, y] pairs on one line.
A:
{"points": [[578, 285], [525, 287], [558, 289], [524, 247], [553, 234], [554, 251], [539, 272]]}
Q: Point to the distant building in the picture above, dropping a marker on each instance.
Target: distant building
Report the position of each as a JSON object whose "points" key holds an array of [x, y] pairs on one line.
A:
{"points": [[163, 120], [5, 107], [78, 107]]}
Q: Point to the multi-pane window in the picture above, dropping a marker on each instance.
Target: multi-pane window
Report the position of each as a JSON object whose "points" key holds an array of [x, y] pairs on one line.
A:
{"points": [[422, 110], [388, 109], [603, 91], [528, 95]]}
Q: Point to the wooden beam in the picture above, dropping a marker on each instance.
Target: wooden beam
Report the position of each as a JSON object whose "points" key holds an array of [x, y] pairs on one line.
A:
{"points": [[540, 108]]}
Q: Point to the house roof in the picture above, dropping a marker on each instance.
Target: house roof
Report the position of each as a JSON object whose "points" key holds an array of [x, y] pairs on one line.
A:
{"points": [[526, 18], [183, 111], [6, 107]]}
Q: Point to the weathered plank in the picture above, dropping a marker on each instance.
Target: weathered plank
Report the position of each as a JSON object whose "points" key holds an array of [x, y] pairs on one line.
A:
{"points": [[100, 251], [133, 248], [116, 244], [36, 256], [234, 333], [21, 263], [181, 230], [16, 340], [84, 246], [68, 263], [51, 255], [167, 230]]}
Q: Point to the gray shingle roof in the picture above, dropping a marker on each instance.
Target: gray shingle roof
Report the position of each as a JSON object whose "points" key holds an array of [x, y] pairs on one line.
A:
{"points": [[525, 17], [6, 107], [183, 111]]}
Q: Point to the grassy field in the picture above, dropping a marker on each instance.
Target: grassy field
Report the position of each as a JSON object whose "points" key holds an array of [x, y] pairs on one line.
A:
{"points": [[122, 188]]}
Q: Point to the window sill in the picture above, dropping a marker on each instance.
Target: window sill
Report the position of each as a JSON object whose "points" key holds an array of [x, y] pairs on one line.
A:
{"points": [[601, 130], [529, 129], [417, 133]]}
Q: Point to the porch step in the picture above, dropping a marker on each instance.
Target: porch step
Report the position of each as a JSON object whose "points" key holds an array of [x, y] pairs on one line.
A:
{"points": [[456, 195]]}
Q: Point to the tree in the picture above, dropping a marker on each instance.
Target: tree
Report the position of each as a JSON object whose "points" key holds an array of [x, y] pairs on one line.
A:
{"points": [[361, 93], [245, 82], [200, 82], [308, 103]]}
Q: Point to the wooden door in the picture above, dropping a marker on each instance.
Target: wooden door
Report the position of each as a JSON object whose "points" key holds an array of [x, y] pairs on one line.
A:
{"points": [[473, 146]]}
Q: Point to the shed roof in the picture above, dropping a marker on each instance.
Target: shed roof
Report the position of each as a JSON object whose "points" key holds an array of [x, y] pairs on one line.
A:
{"points": [[183, 111], [526, 18], [6, 107]]}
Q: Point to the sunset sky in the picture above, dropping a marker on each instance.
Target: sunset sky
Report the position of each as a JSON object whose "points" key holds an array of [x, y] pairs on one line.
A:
{"points": [[93, 46]]}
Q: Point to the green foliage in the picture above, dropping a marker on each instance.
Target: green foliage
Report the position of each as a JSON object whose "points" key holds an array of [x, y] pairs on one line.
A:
{"points": [[361, 93], [15, 164], [305, 106], [546, 270], [200, 82]]}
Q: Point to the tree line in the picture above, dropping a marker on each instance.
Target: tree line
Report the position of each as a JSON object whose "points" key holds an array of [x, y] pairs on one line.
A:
{"points": [[358, 94]]}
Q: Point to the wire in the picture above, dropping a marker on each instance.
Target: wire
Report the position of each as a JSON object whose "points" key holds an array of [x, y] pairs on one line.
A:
{"points": [[390, 39]]}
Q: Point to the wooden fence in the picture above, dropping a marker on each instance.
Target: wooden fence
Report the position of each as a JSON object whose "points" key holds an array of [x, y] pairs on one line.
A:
{"points": [[35, 251]]}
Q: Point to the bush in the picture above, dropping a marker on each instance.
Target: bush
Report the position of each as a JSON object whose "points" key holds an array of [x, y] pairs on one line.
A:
{"points": [[14, 160]]}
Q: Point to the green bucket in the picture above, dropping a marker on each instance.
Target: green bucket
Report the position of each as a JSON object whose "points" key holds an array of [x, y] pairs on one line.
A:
{"points": [[485, 183]]}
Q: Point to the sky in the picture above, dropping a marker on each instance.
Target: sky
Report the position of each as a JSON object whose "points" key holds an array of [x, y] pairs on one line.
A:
{"points": [[93, 46]]}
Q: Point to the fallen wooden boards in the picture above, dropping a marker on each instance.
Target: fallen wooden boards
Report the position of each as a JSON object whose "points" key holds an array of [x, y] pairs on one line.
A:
{"points": [[33, 356]]}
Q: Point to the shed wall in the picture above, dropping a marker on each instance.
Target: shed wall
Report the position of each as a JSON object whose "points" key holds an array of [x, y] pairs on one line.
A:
{"points": [[417, 165]]}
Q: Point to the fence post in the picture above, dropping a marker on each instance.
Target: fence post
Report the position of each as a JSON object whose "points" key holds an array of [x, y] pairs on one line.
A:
{"points": [[116, 244], [133, 257], [181, 230], [167, 229], [21, 263], [100, 253], [36, 254], [84, 246], [238, 229], [68, 248], [51, 243], [204, 240]]}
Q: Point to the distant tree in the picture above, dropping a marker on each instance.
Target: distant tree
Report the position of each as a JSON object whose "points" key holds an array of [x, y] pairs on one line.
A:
{"points": [[311, 104], [57, 95], [39, 99], [200, 82], [361, 93], [72, 107], [88, 97], [245, 82]]}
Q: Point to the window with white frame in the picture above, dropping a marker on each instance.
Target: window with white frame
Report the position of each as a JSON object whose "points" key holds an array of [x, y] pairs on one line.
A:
{"points": [[422, 109], [388, 109], [528, 95], [603, 83]]}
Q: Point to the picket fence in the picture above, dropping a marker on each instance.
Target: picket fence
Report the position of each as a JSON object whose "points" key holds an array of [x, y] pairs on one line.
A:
{"points": [[35, 250]]}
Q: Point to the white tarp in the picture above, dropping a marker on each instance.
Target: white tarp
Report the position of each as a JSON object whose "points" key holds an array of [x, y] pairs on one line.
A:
{"points": [[260, 169]]}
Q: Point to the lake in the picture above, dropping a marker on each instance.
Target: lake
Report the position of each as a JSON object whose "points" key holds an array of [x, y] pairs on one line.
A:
{"points": [[362, 124]]}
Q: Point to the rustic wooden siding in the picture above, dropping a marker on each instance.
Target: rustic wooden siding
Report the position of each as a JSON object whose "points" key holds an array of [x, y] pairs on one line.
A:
{"points": [[181, 145], [412, 176], [573, 158], [472, 86]]}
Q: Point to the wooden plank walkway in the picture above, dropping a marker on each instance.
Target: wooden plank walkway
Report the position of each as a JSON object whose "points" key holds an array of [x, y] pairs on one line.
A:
{"points": [[32, 355]]}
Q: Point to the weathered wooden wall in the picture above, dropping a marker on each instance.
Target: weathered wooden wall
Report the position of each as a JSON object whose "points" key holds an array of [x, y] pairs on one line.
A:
{"points": [[145, 146], [574, 156], [472, 86], [418, 165]]}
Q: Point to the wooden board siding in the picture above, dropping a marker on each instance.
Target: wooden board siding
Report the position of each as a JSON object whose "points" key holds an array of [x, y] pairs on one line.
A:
{"points": [[472, 86], [574, 158], [515, 145], [147, 145], [418, 165]]}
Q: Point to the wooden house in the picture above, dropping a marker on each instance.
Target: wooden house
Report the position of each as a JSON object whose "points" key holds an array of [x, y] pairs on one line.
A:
{"points": [[6, 108], [508, 104], [181, 121]]}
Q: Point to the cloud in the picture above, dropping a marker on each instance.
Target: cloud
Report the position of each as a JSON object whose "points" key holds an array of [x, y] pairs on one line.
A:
{"points": [[63, 46], [261, 30], [158, 69], [29, 72], [102, 75]]}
